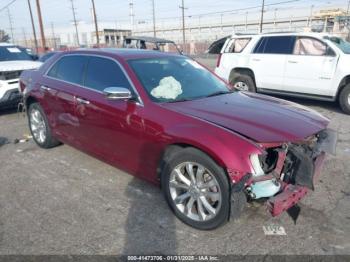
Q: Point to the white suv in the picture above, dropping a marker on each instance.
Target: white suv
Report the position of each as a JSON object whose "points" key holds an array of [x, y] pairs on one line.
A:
{"points": [[306, 65], [13, 60]]}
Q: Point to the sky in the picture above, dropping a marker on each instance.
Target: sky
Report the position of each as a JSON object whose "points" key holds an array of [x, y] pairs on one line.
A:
{"points": [[59, 13]]}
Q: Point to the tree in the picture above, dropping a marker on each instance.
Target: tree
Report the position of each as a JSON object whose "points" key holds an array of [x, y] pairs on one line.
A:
{"points": [[4, 37]]}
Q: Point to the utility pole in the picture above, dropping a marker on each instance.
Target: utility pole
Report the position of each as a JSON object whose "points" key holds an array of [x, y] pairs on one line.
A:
{"points": [[43, 42], [11, 25], [24, 37], [347, 10], [310, 18], [96, 26], [154, 19], [53, 36], [274, 18], [183, 26], [75, 23], [262, 15], [132, 15], [33, 27]]}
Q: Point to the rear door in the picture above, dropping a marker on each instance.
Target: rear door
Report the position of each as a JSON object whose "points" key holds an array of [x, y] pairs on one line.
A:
{"points": [[59, 86], [232, 56], [311, 67], [268, 61], [110, 129]]}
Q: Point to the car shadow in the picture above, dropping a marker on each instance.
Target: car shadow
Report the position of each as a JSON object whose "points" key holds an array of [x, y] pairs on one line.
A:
{"points": [[150, 226], [8, 111], [331, 106]]}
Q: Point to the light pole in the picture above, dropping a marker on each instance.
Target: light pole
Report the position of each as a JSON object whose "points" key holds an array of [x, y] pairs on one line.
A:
{"points": [[262, 15]]}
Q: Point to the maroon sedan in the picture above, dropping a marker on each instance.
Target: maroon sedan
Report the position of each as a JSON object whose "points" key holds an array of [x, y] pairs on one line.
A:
{"points": [[167, 119]]}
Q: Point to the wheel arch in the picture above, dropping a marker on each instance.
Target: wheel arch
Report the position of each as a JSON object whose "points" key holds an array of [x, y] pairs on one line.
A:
{"points": [[241, 70], [343, 83], [30, 100], [175, 147]]}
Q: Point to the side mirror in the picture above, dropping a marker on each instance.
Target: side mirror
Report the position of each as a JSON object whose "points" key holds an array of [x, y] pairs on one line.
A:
{"points": [[117, 93]]}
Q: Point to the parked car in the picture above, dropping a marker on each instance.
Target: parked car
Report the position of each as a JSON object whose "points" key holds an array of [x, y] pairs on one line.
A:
{"points": [[13, 60], [151, 43], [47, 55], [165, 118], [309, 65]]}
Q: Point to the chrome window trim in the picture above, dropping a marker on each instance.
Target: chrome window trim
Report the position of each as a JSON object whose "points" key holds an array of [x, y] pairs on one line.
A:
{"points": [[139, 100]]}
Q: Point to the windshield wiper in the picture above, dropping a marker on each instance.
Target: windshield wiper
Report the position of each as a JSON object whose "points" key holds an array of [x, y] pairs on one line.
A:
{"points": [[179, 100], [219, 93]]}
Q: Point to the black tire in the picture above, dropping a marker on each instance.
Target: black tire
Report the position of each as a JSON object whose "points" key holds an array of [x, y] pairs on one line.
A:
{"points": [[197, 156], [246, 79], [344, 99], [49, 140]]}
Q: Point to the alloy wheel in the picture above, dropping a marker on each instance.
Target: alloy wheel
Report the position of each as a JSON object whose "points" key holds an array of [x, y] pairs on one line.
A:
{"points": [[241, 86], [195, 191], [37, 125]]}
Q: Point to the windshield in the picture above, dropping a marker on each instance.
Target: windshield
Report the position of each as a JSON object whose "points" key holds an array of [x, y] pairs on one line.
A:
{"points": [[176, 79], [12, 53], [341, 44]]}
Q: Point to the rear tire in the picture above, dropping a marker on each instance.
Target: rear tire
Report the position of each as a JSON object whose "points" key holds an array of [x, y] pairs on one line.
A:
{"points": [[39, 127], [201, 201], [243, 82], [344, 99]]}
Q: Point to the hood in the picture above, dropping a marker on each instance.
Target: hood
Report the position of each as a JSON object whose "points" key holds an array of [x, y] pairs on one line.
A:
{"points": [[18, 65], [261, 118]]}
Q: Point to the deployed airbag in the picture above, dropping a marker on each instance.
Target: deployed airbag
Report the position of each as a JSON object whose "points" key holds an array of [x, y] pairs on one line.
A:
{"points": [[168, 88]]}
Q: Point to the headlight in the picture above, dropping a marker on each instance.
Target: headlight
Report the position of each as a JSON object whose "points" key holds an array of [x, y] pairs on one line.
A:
{"points": [[257, 169]]}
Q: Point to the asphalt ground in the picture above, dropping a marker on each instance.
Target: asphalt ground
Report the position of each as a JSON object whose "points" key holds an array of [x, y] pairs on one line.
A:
{"points": [[62, 201]]}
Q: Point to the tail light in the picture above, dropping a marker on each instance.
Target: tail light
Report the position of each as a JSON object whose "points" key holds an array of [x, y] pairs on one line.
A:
{"points": [[22, 86], [219, 60]]}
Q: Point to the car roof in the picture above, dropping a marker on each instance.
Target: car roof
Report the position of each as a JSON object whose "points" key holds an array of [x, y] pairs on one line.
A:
{"points": [[6, 44], [149, 39], [311, 34], [124, 53]]}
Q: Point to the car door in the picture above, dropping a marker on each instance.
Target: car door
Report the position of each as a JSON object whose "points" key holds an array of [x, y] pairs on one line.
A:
{"points": [[109, 129], [59, 86], [232, 56], [268, 61], [311, 67]]}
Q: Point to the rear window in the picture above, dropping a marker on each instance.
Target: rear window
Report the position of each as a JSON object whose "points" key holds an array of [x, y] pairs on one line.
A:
{"points": [[237, 45], [13, 53], [275, 45], [69, 68]]}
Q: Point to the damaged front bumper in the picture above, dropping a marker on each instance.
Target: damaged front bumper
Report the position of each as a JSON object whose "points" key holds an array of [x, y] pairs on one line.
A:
{"points": [[291, 170]]}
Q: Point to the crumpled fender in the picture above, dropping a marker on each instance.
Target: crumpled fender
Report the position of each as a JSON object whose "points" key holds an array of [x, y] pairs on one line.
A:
{"points": [[230, 150]]}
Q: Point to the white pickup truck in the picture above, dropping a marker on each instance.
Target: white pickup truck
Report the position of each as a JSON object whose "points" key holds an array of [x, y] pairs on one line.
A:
{"points": [[13, 60], [309, 65]]}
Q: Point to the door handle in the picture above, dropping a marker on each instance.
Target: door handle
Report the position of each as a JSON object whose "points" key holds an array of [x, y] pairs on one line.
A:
{"points": [[45, 88], [82, 101], [292, 62], [256, 59]]}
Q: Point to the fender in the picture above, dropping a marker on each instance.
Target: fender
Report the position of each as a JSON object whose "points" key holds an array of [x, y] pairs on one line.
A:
{"points": [[218, 143]]}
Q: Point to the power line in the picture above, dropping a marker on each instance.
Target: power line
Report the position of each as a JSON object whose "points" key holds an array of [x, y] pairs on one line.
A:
{"points": [[6, 6]]}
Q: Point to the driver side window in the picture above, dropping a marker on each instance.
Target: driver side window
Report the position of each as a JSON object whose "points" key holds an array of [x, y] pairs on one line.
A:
{"points": [[309, 46]]}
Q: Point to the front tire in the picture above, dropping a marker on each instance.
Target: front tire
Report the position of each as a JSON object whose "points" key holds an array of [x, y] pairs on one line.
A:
{"points": [[196, 189], [243, 82], [39, 127], [344, 99]]}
